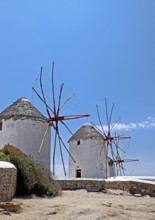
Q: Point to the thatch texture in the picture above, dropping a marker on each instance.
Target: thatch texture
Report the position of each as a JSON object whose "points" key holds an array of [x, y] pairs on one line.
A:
{"points": [[21, 109]]}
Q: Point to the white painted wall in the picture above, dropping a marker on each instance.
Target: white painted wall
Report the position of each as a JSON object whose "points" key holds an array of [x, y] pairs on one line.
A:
{"points": [[90, 157], [27, 135]]}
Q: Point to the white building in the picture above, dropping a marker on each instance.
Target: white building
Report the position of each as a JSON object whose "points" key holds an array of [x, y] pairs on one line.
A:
{"points": [[89, 151], [23, 126]]}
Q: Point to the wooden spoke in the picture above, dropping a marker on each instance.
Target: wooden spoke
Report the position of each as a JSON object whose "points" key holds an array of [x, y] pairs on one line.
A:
{"points": [[118, 147], [111, 114], [97, 128], [41, 145], [53, 91], [112, 151], [42, 100], [59, 102], [100, 120], [106, 108], [67, 101], [42, 91], [54, 150], [67, 127], [66, 148], [130, 160], [62, 156], [114, 124], [70, 117], [106, 159]]}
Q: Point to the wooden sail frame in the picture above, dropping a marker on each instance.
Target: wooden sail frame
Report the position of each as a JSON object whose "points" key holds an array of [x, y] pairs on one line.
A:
{"points": [[111, 142], [55, 118]]}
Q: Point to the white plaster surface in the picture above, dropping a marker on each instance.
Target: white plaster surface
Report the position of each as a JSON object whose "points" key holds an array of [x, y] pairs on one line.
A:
{"points": [[90, 158], [143, 179], [27, 135], [4, 164]]}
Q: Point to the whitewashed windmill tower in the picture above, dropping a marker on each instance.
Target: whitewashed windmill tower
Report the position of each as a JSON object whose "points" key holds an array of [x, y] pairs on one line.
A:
{"points": [[89, 150], [23, 126]]}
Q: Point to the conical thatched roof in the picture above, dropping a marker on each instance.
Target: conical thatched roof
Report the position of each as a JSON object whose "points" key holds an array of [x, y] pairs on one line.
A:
{"points": [[87, 131], [21, 109]]}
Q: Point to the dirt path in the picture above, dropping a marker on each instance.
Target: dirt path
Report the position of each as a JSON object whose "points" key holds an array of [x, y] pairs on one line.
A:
{"points": [[85, 205]]}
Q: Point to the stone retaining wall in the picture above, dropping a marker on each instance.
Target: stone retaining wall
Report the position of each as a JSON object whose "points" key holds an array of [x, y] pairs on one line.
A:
{"points": [[90, 185], [133, 187], [8, 178]]}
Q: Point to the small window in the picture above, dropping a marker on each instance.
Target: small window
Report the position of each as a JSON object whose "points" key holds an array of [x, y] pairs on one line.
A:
{"points": [[78, 142], [1, 123]]}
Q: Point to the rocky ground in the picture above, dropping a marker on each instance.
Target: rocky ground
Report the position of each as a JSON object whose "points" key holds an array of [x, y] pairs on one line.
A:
{"points": [[83, 205]]}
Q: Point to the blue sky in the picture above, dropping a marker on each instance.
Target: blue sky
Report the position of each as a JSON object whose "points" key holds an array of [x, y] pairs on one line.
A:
{"points": [[101, 49]]}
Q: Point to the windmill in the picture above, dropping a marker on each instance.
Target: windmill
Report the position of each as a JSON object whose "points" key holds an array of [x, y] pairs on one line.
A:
{"points": [[55, 118], [112, 142]]}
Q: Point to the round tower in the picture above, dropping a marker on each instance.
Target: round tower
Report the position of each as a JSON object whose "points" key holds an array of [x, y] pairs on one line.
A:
{"points": [[88, 148], [24, 127]]}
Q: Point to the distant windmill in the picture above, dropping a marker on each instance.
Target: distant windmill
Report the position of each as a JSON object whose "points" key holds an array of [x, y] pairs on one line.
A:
{"points": [[112, 142], [55, 118]]}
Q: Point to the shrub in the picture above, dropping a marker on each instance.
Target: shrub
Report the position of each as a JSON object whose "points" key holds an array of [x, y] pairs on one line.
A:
{"points": [[32, 178], [4, 157]]}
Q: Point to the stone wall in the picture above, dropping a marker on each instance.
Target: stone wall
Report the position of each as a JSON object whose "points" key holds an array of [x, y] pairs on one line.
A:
{"points": [[8, 178], [90, 185], [133, 187]]}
